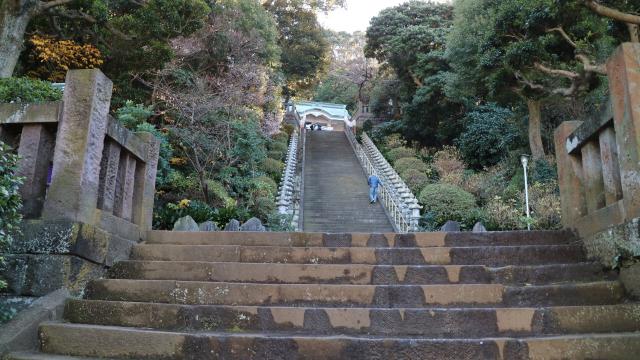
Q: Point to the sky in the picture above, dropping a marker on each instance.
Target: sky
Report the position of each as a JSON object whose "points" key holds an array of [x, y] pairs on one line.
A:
{"points": [[357, 14]]}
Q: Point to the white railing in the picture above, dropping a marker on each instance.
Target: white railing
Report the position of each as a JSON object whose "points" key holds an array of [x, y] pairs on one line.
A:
{"points": [[288, 193], [400, 204]]}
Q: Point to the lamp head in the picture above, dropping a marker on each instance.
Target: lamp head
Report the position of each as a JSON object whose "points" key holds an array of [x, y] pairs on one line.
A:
{"points": [[524, 159]]}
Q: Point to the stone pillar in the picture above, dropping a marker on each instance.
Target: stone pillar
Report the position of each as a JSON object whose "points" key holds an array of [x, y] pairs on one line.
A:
{"points": [[624, 81], [145, 184], [125, 182], [570, 178], [73, 194], [108, 176], [592, 171], [36, 145], [610, 166]]}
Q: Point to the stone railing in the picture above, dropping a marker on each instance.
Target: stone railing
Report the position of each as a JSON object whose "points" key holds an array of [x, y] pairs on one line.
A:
{"points": [[290, 184], [599, 165], [89, 184], [401, 206]]}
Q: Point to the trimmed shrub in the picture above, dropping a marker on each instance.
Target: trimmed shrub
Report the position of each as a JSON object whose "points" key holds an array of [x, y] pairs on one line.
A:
{"points": [[504, 214], [25, 90], [132, 115], [281, 137], [415, 180], [403, 164], [263, 186], [394, 141], [276, 155], [166, 216], [399, 153], [449, 202], [273, 168]]}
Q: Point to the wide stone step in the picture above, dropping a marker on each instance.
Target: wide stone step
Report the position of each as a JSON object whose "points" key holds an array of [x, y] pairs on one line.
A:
{"points": [[127, 343], [300, 239], [41, 356], [354, 274], [393, 296], [435, 323], [487, 255]]}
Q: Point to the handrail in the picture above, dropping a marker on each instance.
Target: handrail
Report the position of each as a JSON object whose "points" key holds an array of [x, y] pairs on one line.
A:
{"points": [[402, 208], [290, 183]]}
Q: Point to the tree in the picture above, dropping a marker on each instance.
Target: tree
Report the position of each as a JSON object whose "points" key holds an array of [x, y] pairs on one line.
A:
{"points": [[304, 47], [410, 39], [125, 31], [632, 21], [526, 50]]}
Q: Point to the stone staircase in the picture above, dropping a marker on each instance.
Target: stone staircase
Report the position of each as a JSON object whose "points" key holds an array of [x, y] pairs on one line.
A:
{"points": [[336, 195], [512, 295]]}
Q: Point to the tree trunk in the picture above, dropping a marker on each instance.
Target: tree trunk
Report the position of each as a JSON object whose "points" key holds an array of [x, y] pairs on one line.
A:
{"points": [[634, 32], [535, 133], [14, 18]]}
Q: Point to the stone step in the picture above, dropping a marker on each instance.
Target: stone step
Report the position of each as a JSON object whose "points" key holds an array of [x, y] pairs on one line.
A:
{"points": [[126, 343], [40, 356], [434, 323], [483, 255], [394, 296], [299, 239], [355, 274]]}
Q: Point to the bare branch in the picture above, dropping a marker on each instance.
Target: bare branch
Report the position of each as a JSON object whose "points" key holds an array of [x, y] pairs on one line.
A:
{"points": [[556, 72], [46, 5], [612, 13], [566, 36], [589, 67]]}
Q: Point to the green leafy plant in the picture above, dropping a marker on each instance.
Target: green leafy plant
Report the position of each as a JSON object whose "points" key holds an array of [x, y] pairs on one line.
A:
{"points": [[400, 152], [25, 90], [166, 216], [450, 202], [415, 180], [403, 164], [132, 115], [10, 204]]}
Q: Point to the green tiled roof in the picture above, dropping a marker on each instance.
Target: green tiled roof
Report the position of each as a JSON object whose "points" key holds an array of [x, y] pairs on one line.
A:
{"points": [[335, 111]]}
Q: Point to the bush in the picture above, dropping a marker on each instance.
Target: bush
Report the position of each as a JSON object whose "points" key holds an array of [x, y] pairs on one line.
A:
{"points": [[273, 168], [281, 137], [25, 90], [166, 216], [400, 152], [224, 215], [504, 214], [449, 202], [415, 180], [276, 155], [218, 194], [10, 201], [279, 222], [489, 135], [448, 163], [132, 115], [394, 141], [546, 210], [403, 164], [263, 186]]}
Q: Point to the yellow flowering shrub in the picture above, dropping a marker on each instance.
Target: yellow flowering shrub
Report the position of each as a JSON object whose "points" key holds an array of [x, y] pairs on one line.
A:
{"points": [[51, 58]]}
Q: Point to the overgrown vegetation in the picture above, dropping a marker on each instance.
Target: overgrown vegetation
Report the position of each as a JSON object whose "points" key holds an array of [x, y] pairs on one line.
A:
{"points": [[26, 90], [10, 204]]}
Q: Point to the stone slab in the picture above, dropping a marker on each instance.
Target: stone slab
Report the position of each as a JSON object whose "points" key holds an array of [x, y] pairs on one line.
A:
{"points": [[21, 333], [30, 113]]}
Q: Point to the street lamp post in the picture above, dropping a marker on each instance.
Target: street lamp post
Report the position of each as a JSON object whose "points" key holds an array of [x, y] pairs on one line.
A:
{"points": [[524, 159]]}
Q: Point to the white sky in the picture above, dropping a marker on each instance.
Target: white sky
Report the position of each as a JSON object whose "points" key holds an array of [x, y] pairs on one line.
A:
{"points": [[357, 14]]}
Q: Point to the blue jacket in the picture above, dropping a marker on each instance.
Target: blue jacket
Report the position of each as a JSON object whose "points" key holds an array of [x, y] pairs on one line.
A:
{"points": [[374, 181]]}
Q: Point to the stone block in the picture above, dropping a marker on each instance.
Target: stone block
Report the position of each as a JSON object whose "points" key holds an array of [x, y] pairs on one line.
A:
{"points": [[38, 275], [186, 224], [233, 225], [73, 194], [35, 150], [479, 228], [20, 113], [451, 226], [208, 226], [630, 277], [253, 224], [21, 333], [66, 237], [617, 240]]}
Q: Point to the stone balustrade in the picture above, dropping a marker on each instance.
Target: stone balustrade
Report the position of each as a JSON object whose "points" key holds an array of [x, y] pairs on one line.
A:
{"points": [[599, 165], [89, 184], [289, 190], [399, 202]]}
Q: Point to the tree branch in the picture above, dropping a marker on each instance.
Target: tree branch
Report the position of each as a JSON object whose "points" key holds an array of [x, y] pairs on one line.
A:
{"points": [[564, 35], [76, 14], [612, 13], [556, 72], [46, 5], [589, 67]]}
